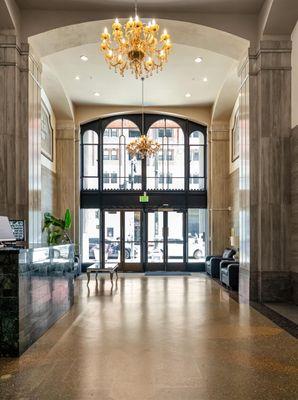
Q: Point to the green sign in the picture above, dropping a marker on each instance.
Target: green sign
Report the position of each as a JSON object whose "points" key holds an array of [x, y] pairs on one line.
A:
{"points": [[144, 199]]}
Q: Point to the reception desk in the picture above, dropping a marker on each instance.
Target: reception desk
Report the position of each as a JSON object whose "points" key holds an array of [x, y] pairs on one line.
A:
{"points": [[36, 289]]}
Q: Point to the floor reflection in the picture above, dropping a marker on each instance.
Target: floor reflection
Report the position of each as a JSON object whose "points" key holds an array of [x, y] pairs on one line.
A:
{"points": [[156, 338]]}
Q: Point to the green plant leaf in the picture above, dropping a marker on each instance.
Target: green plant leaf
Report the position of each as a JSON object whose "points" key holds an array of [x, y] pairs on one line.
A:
{"points": [[54, 237], [67, 219]]}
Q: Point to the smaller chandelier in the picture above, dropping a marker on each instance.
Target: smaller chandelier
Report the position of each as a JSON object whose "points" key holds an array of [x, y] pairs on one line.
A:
{"points": [[136, 46], [144, 146]]}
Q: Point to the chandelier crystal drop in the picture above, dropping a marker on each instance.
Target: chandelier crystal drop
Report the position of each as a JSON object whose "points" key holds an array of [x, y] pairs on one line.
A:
{"points": [[136, 46], [144, 146]]}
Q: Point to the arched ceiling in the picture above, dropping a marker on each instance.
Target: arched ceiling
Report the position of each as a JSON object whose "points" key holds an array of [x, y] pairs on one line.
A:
{"points": [[181, 75], [182, 33], [60, 52]]}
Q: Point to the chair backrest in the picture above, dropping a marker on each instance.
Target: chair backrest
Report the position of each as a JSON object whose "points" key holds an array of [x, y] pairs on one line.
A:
{"points": [[228, 253]]}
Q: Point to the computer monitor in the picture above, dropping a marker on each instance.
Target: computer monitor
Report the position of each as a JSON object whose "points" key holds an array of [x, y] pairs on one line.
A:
{"points": [[6, 233]]}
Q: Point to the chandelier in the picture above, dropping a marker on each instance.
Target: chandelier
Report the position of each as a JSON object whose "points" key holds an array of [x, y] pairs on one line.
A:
{"points": [[144, 146], [136, 46]]}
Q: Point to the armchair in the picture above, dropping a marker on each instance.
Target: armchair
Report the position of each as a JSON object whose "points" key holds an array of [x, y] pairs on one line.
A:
{"points": [[212, 263], [229, 274]]}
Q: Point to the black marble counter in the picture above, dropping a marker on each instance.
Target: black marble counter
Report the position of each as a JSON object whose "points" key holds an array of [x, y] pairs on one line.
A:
{"points": [[36, 289]]}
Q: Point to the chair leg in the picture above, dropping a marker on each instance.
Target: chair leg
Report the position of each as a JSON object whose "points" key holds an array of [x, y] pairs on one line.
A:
{"points": [[111, 277], [88, 277]]}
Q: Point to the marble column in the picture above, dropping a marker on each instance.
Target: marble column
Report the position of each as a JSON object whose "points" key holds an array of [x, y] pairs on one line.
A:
{"points": [[66, 170], [14, 191], [34, 149], [219, 187], [19, 135], [268, 148], [244, 184], [294, 215]]}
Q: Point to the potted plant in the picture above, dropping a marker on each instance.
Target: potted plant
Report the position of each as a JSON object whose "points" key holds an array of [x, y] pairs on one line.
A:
{"points": [[57, 229]]}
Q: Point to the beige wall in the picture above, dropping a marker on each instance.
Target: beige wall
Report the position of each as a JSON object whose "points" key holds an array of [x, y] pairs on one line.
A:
{"points": [[88, 113], [295, 77]]}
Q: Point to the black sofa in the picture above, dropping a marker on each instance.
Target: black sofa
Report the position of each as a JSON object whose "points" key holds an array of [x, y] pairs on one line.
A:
{"points": [[212, 263], [229, 274]]}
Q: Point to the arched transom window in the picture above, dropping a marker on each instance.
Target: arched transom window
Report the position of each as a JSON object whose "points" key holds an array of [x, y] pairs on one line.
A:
{"points": [[180, 164]]}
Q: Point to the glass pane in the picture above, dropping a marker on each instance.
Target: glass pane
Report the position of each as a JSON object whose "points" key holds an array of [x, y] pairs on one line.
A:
{"points": [[132, 252], [90, 166], [112, 236], [197, 223], [120, 171], [112, 251], [155, 237], [155, 252], [175, 237], [132, 226], [196, 138], [165, 183], [196, 183], [169, 162], [90, 234], [90, 137], [90, 184], [132, 236], [197, 167], [155, 226]]}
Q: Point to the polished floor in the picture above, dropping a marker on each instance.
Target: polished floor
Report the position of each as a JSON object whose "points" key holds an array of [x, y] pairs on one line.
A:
{"points": [[158, 338]]}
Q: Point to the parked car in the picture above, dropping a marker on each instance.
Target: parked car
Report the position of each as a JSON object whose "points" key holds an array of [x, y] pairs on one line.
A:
{"points": [[112, 251], [196, 248]]}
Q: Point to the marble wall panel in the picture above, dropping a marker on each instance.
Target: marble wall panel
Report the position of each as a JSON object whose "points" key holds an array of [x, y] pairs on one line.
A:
{"points": [[219, 188], [269, 183], [66, 170]]}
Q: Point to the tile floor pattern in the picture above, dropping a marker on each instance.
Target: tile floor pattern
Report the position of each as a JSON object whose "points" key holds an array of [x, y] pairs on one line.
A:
{"points": [[157, 338]]}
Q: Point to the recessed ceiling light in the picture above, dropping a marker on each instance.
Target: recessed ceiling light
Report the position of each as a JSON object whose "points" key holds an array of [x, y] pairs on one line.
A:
{"points": [[205, 79], [84, 58], [77, 78], [188, 95], [96, 94], [198, 60]]}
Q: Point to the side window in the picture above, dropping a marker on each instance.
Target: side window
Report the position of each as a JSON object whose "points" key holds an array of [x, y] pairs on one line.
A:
{"points": [[90, 160], [197, 161]]}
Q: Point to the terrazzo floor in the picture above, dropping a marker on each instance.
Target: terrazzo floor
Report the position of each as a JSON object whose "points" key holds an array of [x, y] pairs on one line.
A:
{"points": [[157, 338]]}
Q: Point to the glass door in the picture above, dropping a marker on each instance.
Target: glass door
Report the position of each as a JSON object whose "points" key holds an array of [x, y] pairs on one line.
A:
{"points": [[155, 240], [122, 239], [175, 237], [112, 237], [165, 243], [131, 222]]}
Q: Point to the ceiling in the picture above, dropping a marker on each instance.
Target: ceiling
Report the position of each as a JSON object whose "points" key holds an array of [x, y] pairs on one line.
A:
{"points": [[182, 75], [202, 6]]}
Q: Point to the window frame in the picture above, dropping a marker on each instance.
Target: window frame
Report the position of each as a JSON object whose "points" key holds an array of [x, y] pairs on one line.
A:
{"points": [[188, 128]]}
